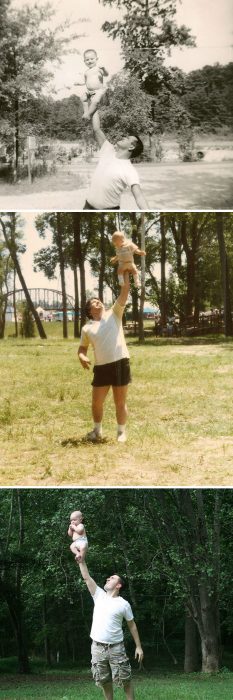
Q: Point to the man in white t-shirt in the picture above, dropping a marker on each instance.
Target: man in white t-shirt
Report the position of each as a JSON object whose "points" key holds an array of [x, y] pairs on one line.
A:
{"points": [[109, 661], [114, 171], [104, 332]]}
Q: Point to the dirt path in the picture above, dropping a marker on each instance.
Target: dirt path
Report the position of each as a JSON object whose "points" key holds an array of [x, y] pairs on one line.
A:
{"points": [[166, 186]]}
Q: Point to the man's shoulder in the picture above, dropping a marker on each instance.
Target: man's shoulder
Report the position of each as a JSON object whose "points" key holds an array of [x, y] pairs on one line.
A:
{"points": [[107, 147], [99, 593]]}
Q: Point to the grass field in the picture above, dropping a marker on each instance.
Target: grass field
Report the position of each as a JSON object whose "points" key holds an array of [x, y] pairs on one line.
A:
{"points": [[169, 687], [180, 428]]}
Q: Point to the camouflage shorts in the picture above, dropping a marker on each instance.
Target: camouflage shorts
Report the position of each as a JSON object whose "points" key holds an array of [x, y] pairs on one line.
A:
{"points": [[110, 663]]}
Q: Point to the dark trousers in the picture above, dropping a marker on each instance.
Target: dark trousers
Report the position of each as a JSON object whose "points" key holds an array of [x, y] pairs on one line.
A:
{"points": [[89, 206]]}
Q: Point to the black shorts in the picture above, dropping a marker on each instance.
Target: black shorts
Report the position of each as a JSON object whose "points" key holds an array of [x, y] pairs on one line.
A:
{"points": [[89, 206], [112, 374]]}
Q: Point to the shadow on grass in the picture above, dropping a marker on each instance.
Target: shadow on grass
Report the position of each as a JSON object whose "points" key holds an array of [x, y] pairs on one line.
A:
{"points": [[76, 442], [200, 340]]}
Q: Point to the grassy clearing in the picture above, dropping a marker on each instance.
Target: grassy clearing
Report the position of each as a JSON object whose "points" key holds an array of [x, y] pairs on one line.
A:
{"points": [[180, 429], [170, 687]]}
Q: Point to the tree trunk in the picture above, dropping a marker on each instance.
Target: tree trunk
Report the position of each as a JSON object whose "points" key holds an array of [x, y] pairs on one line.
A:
{"points": [[191, 661], [228, 323], [142, 295], [3, 319], [14, 307], [47, 647], [12, 250], [163, 271], [102, 259], [76, 303], [80, 261], [62, 273]]}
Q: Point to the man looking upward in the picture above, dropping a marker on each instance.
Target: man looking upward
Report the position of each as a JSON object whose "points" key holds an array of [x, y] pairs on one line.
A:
{"points": [[114, 171], [109, 661]]}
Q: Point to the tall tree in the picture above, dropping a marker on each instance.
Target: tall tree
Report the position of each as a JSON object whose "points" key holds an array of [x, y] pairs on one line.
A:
{"points": [[27, 46], [11, 581], [147, 31], [9, 224], [228, 320]]}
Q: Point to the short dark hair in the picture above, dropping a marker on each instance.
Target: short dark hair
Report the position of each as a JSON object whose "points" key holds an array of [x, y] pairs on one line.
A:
{"points": [[90, 51], [122, 581], [138, 148], [88, 307]]}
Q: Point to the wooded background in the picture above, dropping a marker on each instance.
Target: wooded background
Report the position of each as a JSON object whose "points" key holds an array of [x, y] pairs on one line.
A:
{"points": [[174, 546], [188, 264]]}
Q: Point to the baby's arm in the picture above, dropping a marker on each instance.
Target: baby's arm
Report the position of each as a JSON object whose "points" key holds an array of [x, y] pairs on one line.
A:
{"points": [[114, 260], [70, 531], [78, 528], [138, 251], [104, 72]]}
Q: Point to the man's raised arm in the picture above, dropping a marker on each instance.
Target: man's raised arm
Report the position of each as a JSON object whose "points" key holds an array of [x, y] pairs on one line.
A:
{"points": [[91, 584], [123, 296], [98, 133]]}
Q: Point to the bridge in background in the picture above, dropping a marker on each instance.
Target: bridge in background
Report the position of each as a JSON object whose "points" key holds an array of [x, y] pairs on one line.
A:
{"points": [[48, 299]]}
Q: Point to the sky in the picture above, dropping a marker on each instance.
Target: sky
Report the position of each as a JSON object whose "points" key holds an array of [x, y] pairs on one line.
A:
{"points": [[33, 244], [210, 22]]}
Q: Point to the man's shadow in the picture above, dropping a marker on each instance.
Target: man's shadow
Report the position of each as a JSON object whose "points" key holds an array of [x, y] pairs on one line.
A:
{"points": [[76, 442]]}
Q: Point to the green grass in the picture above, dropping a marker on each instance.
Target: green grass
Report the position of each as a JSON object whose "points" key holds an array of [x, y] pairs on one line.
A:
{"points": [[170, 687], [180, 428]]}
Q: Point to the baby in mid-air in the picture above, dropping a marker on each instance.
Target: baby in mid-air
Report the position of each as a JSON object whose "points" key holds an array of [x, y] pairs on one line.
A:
{"points": [[77, 531], [125, 250], [94, 81]]}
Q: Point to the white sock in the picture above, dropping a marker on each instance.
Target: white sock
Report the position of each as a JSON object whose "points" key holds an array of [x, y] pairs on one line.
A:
{"points": [[98, 428], [120, 429]]}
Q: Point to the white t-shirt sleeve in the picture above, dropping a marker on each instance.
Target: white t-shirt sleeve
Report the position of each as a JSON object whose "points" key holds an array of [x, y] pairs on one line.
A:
{"points": [[107, 149], [99, 592], [131, 175], [128, 615], [118, 310]]}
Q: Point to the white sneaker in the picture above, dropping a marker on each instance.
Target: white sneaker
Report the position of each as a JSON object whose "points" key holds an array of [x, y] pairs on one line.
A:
{"points": [[121, 437], [93, 436]]}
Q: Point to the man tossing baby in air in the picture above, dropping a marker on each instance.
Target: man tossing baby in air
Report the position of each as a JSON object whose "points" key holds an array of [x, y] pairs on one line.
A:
{"points": [[78, 533], [94, 81], [125, 250]]}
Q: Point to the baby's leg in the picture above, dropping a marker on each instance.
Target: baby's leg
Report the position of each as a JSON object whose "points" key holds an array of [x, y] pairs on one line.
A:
{"points": [[85, 102], [74, 549], [82, 549], [95, 100], [135, 274]]}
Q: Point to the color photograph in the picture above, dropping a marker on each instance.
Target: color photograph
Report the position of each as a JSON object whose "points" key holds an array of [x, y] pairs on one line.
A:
{"points": [[116, 349], [141, 603]]}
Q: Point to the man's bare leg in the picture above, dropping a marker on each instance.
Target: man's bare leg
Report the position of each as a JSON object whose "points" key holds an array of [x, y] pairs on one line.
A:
{"points": [[129, 691], [119, 394], [108, 691], [99, 394]]}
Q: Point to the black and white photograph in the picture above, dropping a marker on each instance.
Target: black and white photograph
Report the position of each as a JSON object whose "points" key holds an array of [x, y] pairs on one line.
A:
{"points": [[109, 104]]}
